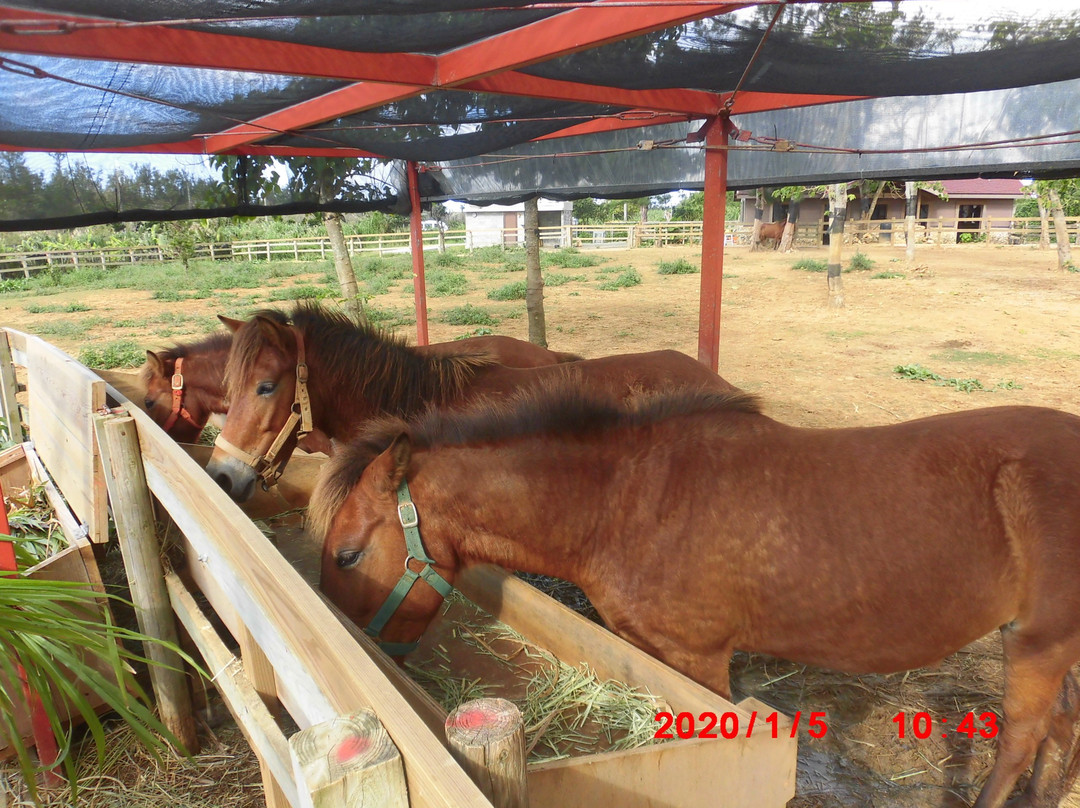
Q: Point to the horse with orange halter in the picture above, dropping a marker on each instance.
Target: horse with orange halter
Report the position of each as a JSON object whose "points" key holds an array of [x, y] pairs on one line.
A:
{"points": [[318, 370], [696, 525]]}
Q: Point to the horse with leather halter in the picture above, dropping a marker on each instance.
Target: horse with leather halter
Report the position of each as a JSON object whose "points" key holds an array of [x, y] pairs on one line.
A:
{"points": [[185, 384], [697, 525], [318, 370]]}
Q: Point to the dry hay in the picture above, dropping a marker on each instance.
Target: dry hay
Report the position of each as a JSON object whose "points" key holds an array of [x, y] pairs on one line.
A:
{"points": [[224, 773], [567, 711]]}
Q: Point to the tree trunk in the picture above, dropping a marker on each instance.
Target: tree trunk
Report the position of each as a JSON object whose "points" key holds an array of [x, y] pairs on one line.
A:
{"points": [[343, 266], [836, 244], [911, 210], [1061, 230], [789, 229], [534, 279], [1044, 226], [759, 212]]}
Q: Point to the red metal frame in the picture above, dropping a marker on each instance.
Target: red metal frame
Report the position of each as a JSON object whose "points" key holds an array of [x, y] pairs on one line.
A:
{"points": [[712, 241]]}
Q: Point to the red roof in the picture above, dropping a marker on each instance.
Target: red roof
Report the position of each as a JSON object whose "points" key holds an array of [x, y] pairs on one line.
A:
{"points": [[1009, 188]]}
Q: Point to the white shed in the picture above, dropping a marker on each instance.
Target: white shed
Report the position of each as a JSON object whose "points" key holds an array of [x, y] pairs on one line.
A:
{"points": [[492, 225]]}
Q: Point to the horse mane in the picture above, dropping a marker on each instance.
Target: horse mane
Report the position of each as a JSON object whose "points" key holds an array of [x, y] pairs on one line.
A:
{"points": [[211, 343], [558, 406], [396, 377]]}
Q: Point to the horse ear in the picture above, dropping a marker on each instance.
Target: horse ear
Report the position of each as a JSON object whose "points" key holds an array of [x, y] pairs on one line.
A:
{"points": [[400, 453], [230, 323], [155, 363]]}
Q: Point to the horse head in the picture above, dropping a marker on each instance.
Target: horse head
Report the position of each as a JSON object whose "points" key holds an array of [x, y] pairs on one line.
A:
{"points": [[169, 399], [263, 375], [372, 550]]}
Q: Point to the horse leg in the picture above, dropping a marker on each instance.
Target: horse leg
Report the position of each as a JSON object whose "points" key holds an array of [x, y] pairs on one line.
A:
{"points": [[1057, 758], [1033, 678]]}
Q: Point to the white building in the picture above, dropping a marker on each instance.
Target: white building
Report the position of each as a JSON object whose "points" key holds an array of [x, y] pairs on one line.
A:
{"points": [[492, 225]]}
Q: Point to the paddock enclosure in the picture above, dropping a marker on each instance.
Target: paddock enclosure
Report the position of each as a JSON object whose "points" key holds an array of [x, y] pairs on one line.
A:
{"points": [[283, 652]]}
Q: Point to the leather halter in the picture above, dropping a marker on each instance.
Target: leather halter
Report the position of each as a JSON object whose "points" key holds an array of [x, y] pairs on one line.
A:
{"points": [[414, 546], [267, 466], [178, 409]]}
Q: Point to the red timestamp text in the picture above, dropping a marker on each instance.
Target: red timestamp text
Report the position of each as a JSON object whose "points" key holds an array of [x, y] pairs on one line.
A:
{"points": [[921, 725], [729, 725]]}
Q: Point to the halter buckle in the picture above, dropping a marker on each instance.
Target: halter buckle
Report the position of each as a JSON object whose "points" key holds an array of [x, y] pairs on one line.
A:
{"points": [[178, 381], [408, 516]]}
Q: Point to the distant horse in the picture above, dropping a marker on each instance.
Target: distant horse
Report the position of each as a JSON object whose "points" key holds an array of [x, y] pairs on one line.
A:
{"points": [[773, 230], [696, 526], [322, 371], [185, 384]]}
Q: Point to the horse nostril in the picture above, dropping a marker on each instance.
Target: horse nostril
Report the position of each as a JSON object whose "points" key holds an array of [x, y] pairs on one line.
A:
{"points": [[224, 481]]}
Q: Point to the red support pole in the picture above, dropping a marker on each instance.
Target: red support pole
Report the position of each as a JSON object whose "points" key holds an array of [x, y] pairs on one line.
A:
{"points": [[712, 241], [416, 239]]}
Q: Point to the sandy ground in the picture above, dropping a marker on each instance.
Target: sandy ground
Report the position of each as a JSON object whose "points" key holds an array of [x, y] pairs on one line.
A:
{"points": [[1005, 316]]}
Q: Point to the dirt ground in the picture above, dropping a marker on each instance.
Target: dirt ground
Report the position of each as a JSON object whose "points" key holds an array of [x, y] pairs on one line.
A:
{"points": [[1004, 316]]}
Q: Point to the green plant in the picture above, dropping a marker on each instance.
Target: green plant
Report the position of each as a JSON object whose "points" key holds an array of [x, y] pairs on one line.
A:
{"points": [[569, 258], [482, 331], [810, 265], [117, 354], [302, 291], [511, 291], [14, 285], [55, 308], [50, 629], [679, 266], [860, 261], [919, 373], [445, 284], [558, 279], [469, 315], [883, 276], [631, 277]]}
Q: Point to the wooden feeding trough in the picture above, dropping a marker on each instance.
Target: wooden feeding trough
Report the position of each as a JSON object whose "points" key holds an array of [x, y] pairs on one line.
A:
{"points": [[297, 655]]}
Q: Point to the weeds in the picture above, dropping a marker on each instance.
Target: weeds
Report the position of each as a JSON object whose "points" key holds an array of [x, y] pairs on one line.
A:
{"points": [[446, 284], [678, 267], [469, 315], [810, 265], [860, 261], [117, 354], [921, 374], [569, 258], [884, 276], [631, 277], [511, 291], [55, 308]]}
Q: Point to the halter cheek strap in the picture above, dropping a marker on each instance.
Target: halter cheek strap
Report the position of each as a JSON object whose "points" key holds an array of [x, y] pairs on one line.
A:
{"points": [[414, 546], [299, 422], [178, 409]]}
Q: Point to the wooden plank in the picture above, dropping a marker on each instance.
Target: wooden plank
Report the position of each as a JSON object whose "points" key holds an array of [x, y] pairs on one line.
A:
{"points": [[63, 397], [70, 526], [14, 471], [487, 737], [719, 773], [327, 672], [254, 720], [9, 407], [568, 635], [260, 673], [136, 531]]}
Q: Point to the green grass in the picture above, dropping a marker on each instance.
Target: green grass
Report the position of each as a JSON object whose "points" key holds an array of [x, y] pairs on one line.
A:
{"points": [[441, 283], [921, 374], [810, 265], [9, 285], [116, 354], [469, 315], [511, 291], [449, 259], [65, 329], [568, 258], [481, 331], [631, 277], [860, 261], [884, 276], [558, 279], [55, 308], [302, 291], [389, 318], [678, 267]]}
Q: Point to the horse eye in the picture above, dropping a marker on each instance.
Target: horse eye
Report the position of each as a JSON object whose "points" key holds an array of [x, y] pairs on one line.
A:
{"points": [[149, 404], [265, 388], [347, 559]]}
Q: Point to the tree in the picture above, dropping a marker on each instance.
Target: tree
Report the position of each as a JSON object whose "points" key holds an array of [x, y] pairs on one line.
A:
{"points": [[1051, 194], [838, 199], [534, 279]]}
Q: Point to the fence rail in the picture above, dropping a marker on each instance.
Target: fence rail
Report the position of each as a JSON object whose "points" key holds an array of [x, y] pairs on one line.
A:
{"points": [[940, 231]]}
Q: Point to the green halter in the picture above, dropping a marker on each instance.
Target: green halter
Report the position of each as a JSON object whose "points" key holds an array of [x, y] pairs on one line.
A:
{"points": [[414, 546]]}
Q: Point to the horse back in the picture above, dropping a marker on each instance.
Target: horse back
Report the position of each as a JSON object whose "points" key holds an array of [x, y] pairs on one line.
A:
{"points": [[515, 353]]}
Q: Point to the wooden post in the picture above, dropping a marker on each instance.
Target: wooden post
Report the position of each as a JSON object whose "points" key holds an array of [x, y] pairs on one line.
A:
{"points": [[261, 674], [487, 737], [348, 761], [9, 406], [133, 512]]}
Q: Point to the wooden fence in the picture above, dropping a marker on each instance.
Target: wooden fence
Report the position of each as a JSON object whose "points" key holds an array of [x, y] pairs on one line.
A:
{"points": [[940, 232]]}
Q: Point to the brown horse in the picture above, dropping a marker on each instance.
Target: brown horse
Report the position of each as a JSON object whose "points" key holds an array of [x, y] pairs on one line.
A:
{"points": [[185, 384], [773, 230], [696, 525], [351, 374]]}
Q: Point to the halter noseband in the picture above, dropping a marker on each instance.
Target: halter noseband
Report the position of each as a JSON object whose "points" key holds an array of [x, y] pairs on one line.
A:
{"points": [[414, 546], [267, 466], [178, 409]]}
